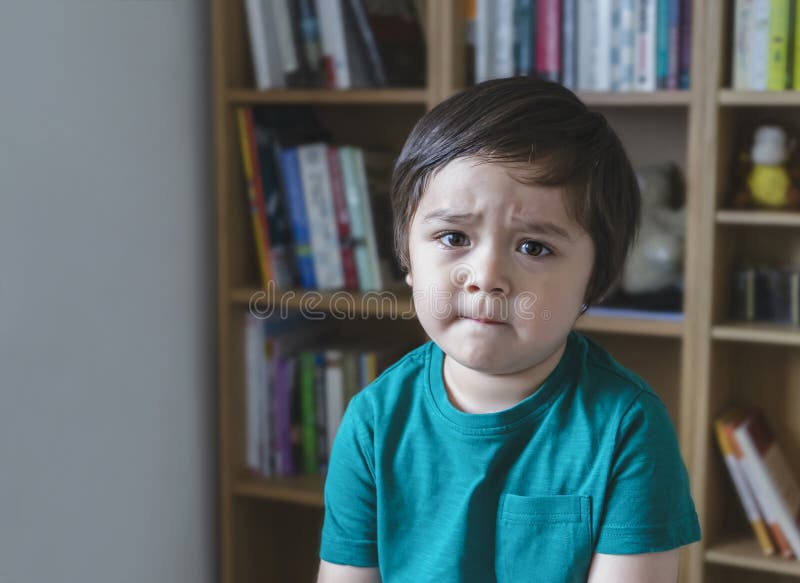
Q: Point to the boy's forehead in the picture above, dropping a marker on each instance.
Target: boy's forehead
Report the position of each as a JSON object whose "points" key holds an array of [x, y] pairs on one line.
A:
{"points": [[470, 186]]}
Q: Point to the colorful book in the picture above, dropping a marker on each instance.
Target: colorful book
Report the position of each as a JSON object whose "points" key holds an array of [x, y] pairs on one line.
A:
{"points": [[308, 415], [267, 65], [775, 485], [548, 39], [733, 460], [759, 63], [255, 195], [646, 45], [685, 44], [569, 44], [662, 43], [742, 43]]}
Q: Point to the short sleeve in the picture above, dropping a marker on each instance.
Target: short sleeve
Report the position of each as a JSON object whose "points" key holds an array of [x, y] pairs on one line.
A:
{"points": [[648, 506], [349, 530]]}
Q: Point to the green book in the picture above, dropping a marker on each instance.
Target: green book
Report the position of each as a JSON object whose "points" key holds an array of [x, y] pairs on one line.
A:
{"points": [[778, 67], [308, 413]]}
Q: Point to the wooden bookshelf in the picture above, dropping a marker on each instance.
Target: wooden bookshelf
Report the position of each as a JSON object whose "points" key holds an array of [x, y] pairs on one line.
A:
{"points": [[699, 365]]}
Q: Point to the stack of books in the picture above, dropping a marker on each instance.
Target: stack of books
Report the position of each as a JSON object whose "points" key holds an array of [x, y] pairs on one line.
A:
{"points": [[766, 49], [587, 45], [765, 483], [336, 44], [314, 208], [298, 384]]}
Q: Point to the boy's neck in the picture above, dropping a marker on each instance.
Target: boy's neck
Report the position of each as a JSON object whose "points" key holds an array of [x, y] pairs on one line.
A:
{"points": [[472, 391]]}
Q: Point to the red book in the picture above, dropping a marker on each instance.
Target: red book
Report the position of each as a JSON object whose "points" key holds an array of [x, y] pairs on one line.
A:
{"points": [[548, 39], [342, 220]]}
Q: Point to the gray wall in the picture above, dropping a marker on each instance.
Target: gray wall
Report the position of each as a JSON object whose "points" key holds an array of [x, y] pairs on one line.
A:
{"points": [[107, 444]]}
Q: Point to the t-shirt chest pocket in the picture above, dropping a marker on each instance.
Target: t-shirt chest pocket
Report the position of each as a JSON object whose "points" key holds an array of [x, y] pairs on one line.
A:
{"points": [[543, 538]]}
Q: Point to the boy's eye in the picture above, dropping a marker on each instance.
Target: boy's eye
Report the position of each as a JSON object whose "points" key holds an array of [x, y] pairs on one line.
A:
{"points": [[534, 248], [453, 239]]}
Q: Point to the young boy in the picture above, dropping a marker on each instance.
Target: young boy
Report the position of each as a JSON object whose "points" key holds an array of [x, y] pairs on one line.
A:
{"points": [[510, 447]]}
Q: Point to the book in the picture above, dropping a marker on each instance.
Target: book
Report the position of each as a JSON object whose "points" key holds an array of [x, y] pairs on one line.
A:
{"points": [[325, 247], [685, 44], [778, 65], [342, 219], [759, 62], [742, 43], [256, 373], [732, 456], [773, 480], [502, 64], [646, 45], [548, 39], [255, 195], [308, 414], [267, 65], [569, 43], [484, 41], [295, 202]]}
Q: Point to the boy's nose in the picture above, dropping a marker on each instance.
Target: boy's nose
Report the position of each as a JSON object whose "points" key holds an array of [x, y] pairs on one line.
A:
{"points": [[488, 275]]}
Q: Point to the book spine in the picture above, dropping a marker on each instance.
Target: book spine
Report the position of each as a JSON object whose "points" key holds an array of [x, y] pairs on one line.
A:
{"points": [[322, 223], [334, 394], [356, 213], [257, 212], [602, 49], [742, 39], [662, 43], [320, 411], [369, 46], [796, 49], [778, 65], [267, 448], [523, 37], [376, 280], [673, 45], [587, 34], [685, 51], [334, 47], [295, 201], [743, 488], [308, 416], [569, 18], [646, 46], [282, 29], [760, 49], [503, 37], [548, 39], [253, 341], [312, 46], [263, 46], [772, 478], [342, 219], [277, 223], [484, 41]]}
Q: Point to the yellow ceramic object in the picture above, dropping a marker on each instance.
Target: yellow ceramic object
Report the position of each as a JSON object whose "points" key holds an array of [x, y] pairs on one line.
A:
{"points": [[769, 185]]}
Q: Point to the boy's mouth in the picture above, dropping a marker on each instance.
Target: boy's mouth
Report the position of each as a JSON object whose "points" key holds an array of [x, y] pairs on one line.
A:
{"points": [[481, 320]]}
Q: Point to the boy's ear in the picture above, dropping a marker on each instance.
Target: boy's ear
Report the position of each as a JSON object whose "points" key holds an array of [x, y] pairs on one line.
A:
{"points": [[409, 280]]}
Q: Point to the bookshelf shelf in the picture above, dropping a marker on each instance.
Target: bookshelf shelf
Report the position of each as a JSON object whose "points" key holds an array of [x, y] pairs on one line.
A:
{"points": [[757, 332], [745, 553], [329, 97], [759, 218], [636, 98], [737, 98], [629, 326], [306, 489]]}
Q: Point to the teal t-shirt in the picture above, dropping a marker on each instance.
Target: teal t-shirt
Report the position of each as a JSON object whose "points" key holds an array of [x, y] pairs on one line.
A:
{"points": [[588, 463]]}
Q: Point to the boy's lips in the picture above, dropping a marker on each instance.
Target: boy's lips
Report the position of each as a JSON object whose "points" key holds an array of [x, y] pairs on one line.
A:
{"points": [[481, 320]]}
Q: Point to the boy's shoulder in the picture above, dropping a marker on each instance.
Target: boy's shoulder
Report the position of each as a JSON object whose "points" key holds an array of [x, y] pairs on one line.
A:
{"points": [[607, 379]]}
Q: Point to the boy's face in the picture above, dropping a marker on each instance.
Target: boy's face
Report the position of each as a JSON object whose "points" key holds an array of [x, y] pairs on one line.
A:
{"points": [[498, 269]]}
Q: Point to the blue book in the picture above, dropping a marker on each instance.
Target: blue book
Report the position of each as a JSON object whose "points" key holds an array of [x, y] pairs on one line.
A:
{"points": [[662, 43], [293, 191]]}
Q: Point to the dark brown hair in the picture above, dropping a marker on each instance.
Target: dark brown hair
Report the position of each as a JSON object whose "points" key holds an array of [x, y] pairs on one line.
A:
{"points": [[544, 129]]}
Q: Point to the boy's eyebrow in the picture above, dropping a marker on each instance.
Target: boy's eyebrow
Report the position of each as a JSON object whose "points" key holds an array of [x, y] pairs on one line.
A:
{"points": [[545, 227]]}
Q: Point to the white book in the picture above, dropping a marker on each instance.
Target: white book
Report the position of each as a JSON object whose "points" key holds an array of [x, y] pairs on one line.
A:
{"points": [[358, 230], [325, 248], [627, 53], [282, 28], [616, 45], [377, 280], [334, 394], [334, 45], [742, 43], [484, 40], [646, 45], [503, 38], [602, 59], [759, 53], [772, 479], [587, 33], [263, 46], [255, 391]]}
